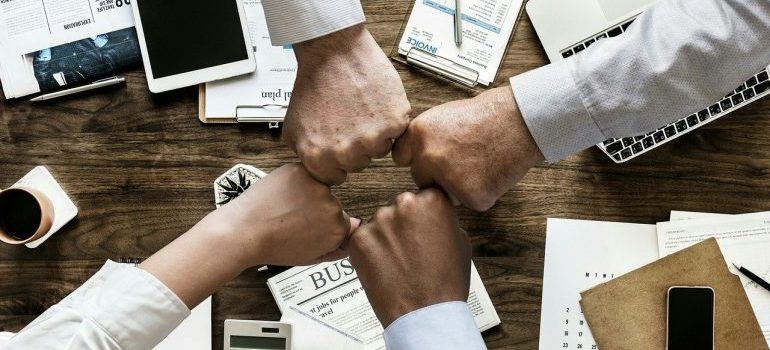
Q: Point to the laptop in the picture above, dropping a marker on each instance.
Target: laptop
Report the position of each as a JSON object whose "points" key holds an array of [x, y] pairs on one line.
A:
{"points": [[567, 28]]}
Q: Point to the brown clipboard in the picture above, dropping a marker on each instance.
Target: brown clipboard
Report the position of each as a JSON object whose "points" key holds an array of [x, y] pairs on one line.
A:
{"points": [[629, 312], [202, 110]]}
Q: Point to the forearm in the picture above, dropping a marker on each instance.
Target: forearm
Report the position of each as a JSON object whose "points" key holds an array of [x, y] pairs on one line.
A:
{"points": [[678, 57], [200, 261]]}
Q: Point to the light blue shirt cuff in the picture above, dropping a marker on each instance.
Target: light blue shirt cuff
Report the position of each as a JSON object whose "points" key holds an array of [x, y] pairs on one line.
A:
{"points": [[445, 326], [294, 21], [554, 112]]}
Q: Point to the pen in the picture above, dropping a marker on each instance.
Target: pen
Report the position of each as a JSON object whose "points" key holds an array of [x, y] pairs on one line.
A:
{"points": [[458, 24], [753, 277], [95, 85]]}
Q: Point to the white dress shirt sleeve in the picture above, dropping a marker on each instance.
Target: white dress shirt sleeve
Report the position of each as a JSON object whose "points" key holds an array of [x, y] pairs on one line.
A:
{"points": [[294, 21], [445, 326], [120, 308], [678, 57]]}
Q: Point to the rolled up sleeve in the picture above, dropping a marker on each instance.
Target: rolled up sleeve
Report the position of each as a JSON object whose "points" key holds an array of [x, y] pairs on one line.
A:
{"points": [[294, 21], [445, 326]]}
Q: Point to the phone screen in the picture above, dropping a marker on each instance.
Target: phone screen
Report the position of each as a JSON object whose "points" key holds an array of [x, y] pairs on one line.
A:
{"points": [[690, 318]]}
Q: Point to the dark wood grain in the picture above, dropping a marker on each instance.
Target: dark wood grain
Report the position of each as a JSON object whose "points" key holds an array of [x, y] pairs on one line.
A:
{"points": [[140, 168]]}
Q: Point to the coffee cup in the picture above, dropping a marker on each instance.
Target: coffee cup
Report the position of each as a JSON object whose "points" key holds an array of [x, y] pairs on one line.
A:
{"points": [[26, 214]]}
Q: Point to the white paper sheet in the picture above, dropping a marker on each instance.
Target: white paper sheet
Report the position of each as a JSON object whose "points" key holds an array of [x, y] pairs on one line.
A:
{"points": [[270, 85], [579, 255], [487, 29], [194, 333], [744, 240], [311, 333]]}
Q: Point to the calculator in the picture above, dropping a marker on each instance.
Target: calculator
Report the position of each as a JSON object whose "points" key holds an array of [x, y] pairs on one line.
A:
{"points": [[257, 335]]}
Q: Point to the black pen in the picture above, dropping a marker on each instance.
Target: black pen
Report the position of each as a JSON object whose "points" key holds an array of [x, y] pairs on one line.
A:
{"points": [[753, 277]]}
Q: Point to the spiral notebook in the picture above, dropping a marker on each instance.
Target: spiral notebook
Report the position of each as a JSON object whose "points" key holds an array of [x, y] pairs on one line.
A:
{"points": [[194, 333]]}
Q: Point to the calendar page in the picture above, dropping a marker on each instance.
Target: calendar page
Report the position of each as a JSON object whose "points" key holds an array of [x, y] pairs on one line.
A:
{"points": [[579, 255]]}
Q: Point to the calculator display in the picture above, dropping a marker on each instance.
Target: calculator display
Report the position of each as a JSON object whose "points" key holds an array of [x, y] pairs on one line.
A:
{"points": [[257, 343]]}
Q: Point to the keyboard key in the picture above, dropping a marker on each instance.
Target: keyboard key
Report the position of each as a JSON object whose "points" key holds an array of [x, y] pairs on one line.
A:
{"points": [[681, 125], [703, 115], [762, 87], [692, 120], [726, 104], [607, 142], [578, 48], [615, 147], [615, 32], [648, 142], [626, 153], [714, 109], [741, 88], [762, 77], [751, 82], [737, 99], [659, 136], [617, 157], [748, 94], [670, 130], [638, 138], [589, 42], [637, 147], [566, 54], [627, 141], [601, 36]]}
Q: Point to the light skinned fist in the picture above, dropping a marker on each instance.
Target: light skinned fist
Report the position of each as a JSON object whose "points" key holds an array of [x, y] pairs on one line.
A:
{"points": [[475, 149], [347, 106], [288, 218], [412, 254]]}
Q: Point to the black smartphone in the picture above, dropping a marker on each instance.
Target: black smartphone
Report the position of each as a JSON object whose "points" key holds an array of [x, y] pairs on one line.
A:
{"points": [[690, 314]]}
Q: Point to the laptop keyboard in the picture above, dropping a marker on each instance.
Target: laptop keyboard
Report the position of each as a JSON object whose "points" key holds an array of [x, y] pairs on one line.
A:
{"points": [[626, 148]]}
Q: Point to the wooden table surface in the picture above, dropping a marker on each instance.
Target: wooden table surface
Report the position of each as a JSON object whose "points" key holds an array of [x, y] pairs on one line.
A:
{"points": [[140, 168]]}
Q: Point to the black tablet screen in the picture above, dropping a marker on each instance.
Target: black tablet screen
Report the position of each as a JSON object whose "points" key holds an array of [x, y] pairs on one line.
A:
{"points": [[187, 35]]}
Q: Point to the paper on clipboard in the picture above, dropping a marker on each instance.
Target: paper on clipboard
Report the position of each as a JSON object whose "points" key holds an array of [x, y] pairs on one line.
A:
{"points": [[258, 97], [486, 31]]}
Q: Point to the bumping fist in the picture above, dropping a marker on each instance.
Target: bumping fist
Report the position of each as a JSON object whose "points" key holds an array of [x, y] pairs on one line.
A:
{"points": [[475, 149], [347, 106], [411, 255]]}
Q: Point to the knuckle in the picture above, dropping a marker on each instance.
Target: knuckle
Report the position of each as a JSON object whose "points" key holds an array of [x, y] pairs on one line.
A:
{"points": [[382, 215], [405, 199]]}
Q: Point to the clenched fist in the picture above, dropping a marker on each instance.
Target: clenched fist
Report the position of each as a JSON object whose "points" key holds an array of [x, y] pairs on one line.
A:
{"points": [[347, 106], [475, 149]]}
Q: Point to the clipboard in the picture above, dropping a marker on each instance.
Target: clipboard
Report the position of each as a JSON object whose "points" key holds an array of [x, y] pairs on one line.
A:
{"points": [[272, 122], [444, 68]]}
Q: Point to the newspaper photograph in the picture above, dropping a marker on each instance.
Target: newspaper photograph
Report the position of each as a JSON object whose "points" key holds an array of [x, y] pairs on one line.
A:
{"points": [[332, 292], [49, 44]]}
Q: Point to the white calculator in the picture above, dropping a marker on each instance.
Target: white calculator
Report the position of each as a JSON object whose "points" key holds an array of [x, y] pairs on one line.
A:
{"points": [[257, 335]]}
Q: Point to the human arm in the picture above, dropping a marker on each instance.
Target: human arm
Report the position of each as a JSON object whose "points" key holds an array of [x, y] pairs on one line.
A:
{"points": [[348, 102], [414, 263], [675, 59], [126, 308]]}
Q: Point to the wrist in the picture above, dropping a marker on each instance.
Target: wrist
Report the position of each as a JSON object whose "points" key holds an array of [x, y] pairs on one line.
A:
{"points": [[508, 109], [343, 42], [243, 247]]}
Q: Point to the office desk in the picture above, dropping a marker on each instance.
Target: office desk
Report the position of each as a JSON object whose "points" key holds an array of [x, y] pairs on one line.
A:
{"points": [[141, 167]]}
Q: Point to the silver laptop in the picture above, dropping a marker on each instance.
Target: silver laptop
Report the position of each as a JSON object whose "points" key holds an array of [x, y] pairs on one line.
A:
{"points": [[567, 27]]}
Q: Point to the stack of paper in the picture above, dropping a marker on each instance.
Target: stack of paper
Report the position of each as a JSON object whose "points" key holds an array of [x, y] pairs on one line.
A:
{"points": [[582, 254]]}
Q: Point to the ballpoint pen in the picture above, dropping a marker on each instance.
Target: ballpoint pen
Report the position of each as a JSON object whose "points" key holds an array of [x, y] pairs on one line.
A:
{"points": [[753, 277], [458, 24], [95, 85]]}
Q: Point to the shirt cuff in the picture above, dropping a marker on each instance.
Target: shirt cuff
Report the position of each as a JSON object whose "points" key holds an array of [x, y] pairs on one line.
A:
{"points": [[444, 326], [131, 305], [294, 21], [554, 112]]}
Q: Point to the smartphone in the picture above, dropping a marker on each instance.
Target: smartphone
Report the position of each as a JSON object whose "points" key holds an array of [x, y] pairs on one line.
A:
{"points": [[690, 318]]}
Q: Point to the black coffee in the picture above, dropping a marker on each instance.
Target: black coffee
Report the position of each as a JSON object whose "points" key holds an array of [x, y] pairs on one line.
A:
{"points": [[20, 214]]}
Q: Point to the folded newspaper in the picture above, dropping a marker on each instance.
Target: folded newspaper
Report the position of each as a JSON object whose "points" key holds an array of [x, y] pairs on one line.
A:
{"points": [[332, 292], [48, 45]]}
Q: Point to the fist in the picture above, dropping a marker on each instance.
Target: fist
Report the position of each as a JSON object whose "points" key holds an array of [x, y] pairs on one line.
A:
{"points": [[475, 149], [347, 106], [411, 255]]}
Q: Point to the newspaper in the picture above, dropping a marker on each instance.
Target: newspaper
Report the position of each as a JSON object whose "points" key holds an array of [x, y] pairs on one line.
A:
{"points": [[46, 45], [332, 292]]}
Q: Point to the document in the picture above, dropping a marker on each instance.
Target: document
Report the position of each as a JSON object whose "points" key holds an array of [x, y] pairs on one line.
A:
{"points": [[264, 93], [307, 332], [487, 28], [744, 240], [49, 44], [332, 292], [578, 256], [194, 333]]}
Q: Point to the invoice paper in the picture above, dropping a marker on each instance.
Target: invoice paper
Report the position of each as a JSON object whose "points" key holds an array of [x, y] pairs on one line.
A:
{"points": [[487, 28], [578, 256], [744, 240], [270, 85]]}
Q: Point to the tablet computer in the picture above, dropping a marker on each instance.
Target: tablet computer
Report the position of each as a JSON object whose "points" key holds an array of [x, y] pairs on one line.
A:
{"points": [[188, 42]]}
